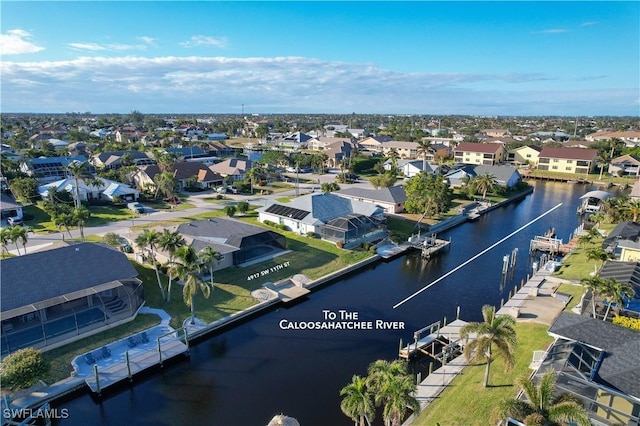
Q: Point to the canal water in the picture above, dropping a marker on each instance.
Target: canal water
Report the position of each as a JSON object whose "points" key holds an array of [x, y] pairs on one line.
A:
{"points": [[248, 374]]}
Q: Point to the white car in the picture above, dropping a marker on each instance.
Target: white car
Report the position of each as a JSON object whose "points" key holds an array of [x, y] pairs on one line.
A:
{"points": [[15, 221], [136, 207]]}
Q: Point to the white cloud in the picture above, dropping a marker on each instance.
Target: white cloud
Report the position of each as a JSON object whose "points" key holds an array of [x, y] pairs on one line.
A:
{"points": [[553, 31], [589, 23], [114, 47], [17, 42], [148, 40], [201, 40], [289, 84]]}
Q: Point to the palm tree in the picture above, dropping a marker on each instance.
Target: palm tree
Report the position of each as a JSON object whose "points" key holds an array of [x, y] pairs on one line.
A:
{"points": [[187, 268], [594, 284], [394, 157], [424, 148], [615, 292], [597, 254], [5, 238], [394, 388], [165, 184], [80, 215], [18, 233], [78, 170], [63, 220], [541, 407], [170, 241], [210, 256], [632, 206], [495, 331], [149, 239], [484, 183], [357, 403]]}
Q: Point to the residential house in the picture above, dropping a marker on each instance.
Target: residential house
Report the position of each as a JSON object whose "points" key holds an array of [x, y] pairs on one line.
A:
{"points": [[91, 288], [596, 361], [527, 154], [217, 137], [293, 141], [506, 176], [390, 199], [332, 217], [9, 207], [496, 133], [625, 165], [339, 151], [408, 150], [237, 168], [626, 270], [48, 169], [488, 154], [128, 134], [219, 149], [624, 232], [374, 143], [113, 159], [322, 142], [96, 189], [630, 138], [567, 160], [238, 242], [186, 173]]}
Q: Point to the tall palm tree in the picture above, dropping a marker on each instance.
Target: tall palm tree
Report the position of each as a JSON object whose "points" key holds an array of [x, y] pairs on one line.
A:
{"points": [[210, 257], [424, 148], [594, 284], [80, 216], [170, 241], [357, 403], [18, 233], [77, 169], [165, 184], [148, 239], [615, 292], [187, 268], [394, 388], [63, 220], [394, 157], [484, 183], [597, 254], [541, 407], [495, 331]]}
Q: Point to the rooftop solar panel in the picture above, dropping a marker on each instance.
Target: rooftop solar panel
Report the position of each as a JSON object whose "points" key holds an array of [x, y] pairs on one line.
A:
{"points": [[281, 210]]}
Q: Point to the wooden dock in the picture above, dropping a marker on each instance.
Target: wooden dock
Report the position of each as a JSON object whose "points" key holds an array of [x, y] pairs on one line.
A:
{"points": [[552, 245], [438, 337], [139, 359]]}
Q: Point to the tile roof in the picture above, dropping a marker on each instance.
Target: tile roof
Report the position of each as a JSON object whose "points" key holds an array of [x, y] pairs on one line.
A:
{"points": [[220, 230], [44, 275], [487, 148], [619, 367]]}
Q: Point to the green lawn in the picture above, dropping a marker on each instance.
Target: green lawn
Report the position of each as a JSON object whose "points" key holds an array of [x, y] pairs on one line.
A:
{"points": [[60, 358], [574, 290], [465, 402]]}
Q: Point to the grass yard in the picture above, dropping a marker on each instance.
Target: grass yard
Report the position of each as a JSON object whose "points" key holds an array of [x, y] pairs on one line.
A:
{"points": [[60, 358], [575, 290], [465, 402]]}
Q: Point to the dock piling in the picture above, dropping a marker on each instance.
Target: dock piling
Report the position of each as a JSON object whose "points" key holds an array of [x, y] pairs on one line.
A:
{"points": [[159, 352], [95, 372], [126, 357]]}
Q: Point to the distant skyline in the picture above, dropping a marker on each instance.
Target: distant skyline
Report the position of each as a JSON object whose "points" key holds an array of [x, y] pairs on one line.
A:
{"points": [[468, 58]]}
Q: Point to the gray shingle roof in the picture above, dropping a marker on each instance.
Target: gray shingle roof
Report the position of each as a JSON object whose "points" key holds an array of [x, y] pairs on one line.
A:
{"points": [[220, 230], [619, 368], [394, 194], [44, 275]]}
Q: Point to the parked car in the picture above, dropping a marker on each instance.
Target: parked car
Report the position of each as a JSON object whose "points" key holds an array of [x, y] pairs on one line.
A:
{"points": [[136, 207], [15, 221]]}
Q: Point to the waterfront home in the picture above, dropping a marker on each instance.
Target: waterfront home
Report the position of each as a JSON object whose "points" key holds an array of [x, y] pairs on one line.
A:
{"points": [[374, 143], [236, 168], [319, 143], [339, 151], [56, 296], [488, 154], [597, 362], [330, 216], [238, 242], [624, 231], [630, 138], [567, 160], [187, 174], [390, 199], [505, 176], [408, 150], [96, 189], [626, 270], [524, 155], [625, 165], [114, 159], [48, 169]]}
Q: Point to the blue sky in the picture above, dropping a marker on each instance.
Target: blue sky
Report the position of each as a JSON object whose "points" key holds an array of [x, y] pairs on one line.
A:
{"points": [[480, 58]]}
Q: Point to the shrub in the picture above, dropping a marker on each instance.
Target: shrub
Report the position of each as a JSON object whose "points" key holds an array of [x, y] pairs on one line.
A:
{"points": [[311, 234], [219, 197], [243, 207], [339, 244], [627, 322], [23, 368]]}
